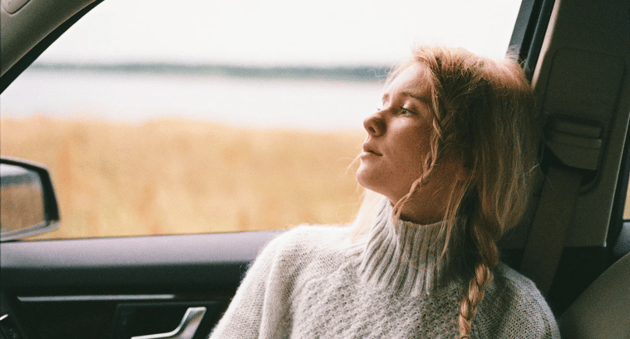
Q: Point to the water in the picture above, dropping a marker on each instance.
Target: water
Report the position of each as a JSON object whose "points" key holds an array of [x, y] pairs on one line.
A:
{"points": [[137, 96]]}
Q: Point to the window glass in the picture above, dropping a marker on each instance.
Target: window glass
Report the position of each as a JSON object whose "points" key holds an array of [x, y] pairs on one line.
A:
{"points": [[157, 117]]}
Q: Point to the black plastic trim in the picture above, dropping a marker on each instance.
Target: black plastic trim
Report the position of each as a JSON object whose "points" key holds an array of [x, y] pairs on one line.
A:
{"points": [[622, 245], [619, 204], [529, 32], [120, 265], [36, 51]]}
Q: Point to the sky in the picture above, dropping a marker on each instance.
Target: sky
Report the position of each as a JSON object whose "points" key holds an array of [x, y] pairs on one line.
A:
{"points": [[281, 32]]}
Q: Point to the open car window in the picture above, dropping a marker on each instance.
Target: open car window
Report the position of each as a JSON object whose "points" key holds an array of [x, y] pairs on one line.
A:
{"points": [[220, 116]]}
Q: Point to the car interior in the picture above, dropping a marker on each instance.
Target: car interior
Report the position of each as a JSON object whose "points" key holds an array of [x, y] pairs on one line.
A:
{"points": [[573, 243]]}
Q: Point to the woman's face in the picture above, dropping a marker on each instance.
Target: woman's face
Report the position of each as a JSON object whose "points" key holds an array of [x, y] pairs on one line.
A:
{"points": [[398, 135]]}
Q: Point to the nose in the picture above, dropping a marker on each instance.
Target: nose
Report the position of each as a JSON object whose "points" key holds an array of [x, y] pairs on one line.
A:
{"points": [[375, 124]]}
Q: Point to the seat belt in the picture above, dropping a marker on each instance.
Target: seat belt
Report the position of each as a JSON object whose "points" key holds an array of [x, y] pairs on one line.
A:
{"points": [[577, 146], [551, 225]]}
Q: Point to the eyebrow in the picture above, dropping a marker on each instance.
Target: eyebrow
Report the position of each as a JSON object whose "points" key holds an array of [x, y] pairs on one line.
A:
{"points": [[417, 97]]}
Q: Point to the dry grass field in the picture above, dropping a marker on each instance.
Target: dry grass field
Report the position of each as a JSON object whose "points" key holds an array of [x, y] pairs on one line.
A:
{"points": [[177, 176]]}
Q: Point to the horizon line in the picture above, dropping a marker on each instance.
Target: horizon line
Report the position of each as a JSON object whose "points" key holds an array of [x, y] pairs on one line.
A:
{"points": [[358, 72]]}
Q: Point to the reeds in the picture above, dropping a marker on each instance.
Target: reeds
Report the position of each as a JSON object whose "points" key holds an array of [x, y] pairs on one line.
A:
{"points": [[179, 176]]}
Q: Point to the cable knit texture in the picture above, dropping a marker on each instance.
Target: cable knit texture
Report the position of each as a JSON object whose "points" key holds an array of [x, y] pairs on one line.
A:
{"points": [[316, 282]]}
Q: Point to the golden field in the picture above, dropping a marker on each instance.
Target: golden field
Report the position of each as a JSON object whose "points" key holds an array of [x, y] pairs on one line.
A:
{"points": [[178, 176]]}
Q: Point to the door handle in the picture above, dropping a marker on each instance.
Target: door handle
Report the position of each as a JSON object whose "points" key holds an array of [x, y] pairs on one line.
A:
{"points": [[186, 329]]}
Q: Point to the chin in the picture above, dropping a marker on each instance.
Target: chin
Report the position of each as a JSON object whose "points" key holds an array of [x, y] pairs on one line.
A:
{"points": [[368, 179], [361, 175]]}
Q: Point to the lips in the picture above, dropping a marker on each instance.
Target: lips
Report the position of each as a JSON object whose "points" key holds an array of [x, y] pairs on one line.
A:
{"points": [[367, 148]]}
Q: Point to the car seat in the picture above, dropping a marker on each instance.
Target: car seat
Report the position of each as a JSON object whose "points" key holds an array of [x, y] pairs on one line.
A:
{"points": [[603, 310]]}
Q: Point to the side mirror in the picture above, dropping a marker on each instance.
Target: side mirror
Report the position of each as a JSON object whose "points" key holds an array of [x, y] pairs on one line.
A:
{"points": [[28, 205]]}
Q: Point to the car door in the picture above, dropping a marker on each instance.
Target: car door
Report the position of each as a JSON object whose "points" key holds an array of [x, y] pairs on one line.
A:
{"points": [[122, 287], [95, 288]]}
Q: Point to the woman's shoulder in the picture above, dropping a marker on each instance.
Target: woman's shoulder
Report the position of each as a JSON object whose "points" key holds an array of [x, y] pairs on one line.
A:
{"points": [[518, 285], [521, 308], [310, 237], [307, 243], [310, 233]]}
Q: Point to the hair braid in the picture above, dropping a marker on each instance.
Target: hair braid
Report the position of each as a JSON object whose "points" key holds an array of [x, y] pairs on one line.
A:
{"points": [[487, 260], [476, 289]]}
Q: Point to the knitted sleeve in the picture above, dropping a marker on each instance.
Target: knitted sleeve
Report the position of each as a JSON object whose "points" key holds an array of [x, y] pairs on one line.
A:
{"points": [[261, 301]]}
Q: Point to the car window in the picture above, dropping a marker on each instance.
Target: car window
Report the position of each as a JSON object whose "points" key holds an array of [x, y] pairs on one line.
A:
{"points": [[220, 116]]}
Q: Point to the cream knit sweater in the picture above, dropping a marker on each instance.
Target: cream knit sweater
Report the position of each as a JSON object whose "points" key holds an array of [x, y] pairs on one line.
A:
{"points": [[315, 282]]}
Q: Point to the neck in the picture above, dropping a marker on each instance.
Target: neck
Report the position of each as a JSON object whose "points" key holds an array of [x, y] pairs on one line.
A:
{"points": [[405, 257], [423, 214], [423, 206], [427, 201]]}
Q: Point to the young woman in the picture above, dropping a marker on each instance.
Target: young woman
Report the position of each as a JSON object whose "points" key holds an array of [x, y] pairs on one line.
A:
{"points": [[449, 157]]}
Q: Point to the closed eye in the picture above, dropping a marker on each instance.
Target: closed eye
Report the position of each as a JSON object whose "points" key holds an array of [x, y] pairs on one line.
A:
{"points": [[406, 111]]}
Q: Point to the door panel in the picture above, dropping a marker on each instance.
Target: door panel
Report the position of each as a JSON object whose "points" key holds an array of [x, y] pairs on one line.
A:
{"points": [[84, 288]]}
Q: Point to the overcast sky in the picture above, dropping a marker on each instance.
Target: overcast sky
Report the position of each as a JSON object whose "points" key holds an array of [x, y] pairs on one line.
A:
{"points": [[282, 32]]}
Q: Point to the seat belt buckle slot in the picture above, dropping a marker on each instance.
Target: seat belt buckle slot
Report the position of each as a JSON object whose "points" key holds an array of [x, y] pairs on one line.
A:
{"points": [[576, 143]]}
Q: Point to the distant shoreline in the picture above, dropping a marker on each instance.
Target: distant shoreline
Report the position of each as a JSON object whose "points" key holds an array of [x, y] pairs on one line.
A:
{"points": [[344, 73]]}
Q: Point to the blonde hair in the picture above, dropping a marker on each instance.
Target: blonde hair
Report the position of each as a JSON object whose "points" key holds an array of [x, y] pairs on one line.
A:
{"points": [[482, 113]]}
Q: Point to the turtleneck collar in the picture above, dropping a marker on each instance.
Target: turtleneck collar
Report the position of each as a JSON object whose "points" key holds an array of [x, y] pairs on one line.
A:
{"points": [[405, 257]]}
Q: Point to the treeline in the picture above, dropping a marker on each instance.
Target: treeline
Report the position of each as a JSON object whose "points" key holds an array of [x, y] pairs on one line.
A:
{"points": [[358, 73]]}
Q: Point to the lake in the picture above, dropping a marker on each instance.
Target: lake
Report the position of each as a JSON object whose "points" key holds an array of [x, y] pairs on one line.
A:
{"points": [[304, 102]]}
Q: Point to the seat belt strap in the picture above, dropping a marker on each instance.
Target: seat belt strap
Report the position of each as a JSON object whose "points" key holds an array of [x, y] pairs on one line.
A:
{"points": [[549, 230]]}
